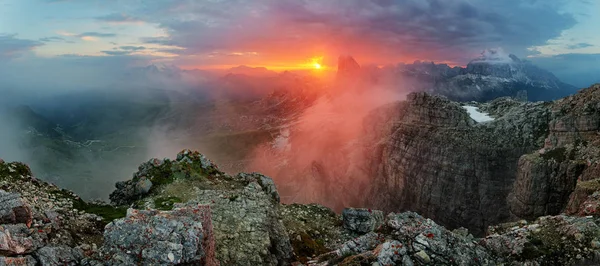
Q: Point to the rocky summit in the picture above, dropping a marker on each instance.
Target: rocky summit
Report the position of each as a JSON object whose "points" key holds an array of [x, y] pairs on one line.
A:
{"points": [[518, 188]]}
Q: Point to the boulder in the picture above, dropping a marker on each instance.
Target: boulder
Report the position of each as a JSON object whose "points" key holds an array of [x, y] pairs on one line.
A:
{"points": [[183, 235], [362, 220], [58, 255], [13, 209]]}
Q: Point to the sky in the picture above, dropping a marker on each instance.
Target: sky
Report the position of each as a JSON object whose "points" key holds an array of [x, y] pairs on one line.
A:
{"points": [[42, 36]]}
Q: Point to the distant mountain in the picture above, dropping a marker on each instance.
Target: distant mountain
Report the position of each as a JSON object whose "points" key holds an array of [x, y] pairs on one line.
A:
{"points": [[252, 71], [494, 74]]}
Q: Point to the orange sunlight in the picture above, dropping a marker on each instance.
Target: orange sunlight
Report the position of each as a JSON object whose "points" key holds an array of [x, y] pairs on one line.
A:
{"points": [[313, 63]]}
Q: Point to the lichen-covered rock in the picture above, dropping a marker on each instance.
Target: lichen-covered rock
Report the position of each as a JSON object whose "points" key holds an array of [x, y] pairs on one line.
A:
{"points": [[180, 236], [246, 222], [58, 255], [247, 227], [362, 220], [313, 230], [13, 209]]}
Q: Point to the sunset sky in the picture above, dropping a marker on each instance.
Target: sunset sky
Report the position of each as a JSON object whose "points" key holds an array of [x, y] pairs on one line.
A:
{"points": [[559, 35]]}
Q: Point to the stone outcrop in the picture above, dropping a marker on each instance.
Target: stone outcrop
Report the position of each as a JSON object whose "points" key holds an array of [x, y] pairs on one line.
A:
{"points": [[13, 209], [244, 208], [42, 224]]}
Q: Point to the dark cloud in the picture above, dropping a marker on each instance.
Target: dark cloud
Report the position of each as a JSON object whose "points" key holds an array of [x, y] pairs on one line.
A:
{"points": [[119, 18], [581, 70], [117, 52], [132, 48], [579, 46], [10, 46], [96, 34], [55, 39], [429, 29]]}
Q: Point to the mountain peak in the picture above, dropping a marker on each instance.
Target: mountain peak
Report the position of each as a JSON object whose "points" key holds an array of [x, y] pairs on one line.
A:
{"points": [[347, 65], [496, 56]]}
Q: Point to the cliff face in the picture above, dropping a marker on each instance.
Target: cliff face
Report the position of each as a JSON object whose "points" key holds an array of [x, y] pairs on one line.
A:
{"points": [[432, 158], [564, 173]]}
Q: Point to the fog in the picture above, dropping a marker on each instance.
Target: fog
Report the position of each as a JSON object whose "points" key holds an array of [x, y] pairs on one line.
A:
{"points": [[319, 158], [89, 131]]}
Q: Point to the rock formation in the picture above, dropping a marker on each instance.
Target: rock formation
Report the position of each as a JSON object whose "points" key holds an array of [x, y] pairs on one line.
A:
{"points": [[432, 158], [194, 214]]}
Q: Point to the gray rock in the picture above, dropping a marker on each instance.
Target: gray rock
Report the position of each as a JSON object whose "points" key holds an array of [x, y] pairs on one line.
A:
{"points": [[58, 255], [360, 244], [161, 237], [13, 209], [556, 240], [362, 220], [430, 242], [247, 226], [391, 253], [265, 182]]}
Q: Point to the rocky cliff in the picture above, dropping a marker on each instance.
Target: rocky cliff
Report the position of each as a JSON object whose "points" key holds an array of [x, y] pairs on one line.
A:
{"points": [[434, 158]]}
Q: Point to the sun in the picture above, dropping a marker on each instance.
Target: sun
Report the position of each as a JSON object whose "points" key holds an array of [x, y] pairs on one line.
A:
{"points": [[317, 65]]}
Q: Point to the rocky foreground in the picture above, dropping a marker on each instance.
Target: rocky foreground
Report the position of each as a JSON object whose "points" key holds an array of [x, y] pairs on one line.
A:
{"points": [[186, 211]]}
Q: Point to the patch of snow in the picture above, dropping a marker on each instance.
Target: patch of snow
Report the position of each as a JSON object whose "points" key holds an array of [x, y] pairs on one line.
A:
{"points": [[479, 117]]}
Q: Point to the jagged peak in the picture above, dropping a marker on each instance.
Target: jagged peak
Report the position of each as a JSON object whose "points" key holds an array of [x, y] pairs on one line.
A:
{"points": [[347, 64]]}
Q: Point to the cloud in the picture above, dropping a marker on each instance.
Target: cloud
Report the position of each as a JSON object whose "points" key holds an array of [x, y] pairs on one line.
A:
{"points": [[89, 38], [580, 70], [119, 18], [54, 39], [65, 33], [117, 52], [10, 46], [96, 34], [374, 30], [132, 48], [579, 46]]}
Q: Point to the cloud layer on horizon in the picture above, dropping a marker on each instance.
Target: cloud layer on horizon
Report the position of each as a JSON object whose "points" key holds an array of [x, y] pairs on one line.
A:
{"points": [[375, 30], [270, 32]]}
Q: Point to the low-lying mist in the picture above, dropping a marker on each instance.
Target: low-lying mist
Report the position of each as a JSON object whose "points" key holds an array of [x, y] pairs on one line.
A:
{"points": [[319, 158], [304, 133]]}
